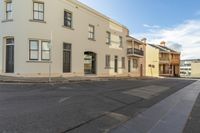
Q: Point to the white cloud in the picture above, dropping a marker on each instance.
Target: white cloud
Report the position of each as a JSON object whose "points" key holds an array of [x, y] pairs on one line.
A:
{"points": [[151, 26], [184, 37]]}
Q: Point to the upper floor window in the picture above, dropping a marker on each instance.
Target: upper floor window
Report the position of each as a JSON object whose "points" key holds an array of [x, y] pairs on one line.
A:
{"points": [[38, 11], [8, 10], [68, 19], [120, 41], [108, 37], [91, 32]]}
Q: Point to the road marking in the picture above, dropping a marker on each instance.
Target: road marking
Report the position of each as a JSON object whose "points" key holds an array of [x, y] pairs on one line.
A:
{"points": [[64, 99]]}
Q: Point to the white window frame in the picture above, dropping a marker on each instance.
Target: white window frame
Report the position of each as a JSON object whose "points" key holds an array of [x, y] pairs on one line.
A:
{"points": [[40, 50]]}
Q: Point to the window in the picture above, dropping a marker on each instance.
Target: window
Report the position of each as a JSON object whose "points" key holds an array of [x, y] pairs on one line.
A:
{"points": [[33, 50], [68, 19], [39, 50], [91, 34], [45, 51], [107, 61], [120, 41], [10, 41], [38, 11], [108, 37], [135, 63], [8, 10], [123, 62]]}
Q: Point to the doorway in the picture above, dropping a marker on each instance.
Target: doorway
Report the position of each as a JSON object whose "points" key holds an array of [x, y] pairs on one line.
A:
{"points": [[116, 64], [66, 58], [89, 62], [10, 55], [129, 65], [141, 70]]}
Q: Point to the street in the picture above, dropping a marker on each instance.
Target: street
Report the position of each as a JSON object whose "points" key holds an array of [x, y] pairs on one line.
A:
{"points": [[79, 107]]}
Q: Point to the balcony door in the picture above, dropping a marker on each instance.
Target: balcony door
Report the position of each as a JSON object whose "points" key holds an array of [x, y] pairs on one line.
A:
{"points": [[10, 55]]}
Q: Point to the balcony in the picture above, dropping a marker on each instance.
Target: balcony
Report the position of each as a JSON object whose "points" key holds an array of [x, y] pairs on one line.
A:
{"points": [[175, 61], [135, 52], [164, 60]]}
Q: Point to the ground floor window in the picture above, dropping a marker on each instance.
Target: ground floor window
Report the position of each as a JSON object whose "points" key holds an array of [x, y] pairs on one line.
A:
{"points": [[39, 50], [135, 63], [33, 50]]}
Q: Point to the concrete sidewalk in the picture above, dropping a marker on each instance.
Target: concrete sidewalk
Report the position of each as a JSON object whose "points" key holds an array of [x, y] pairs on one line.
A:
{"points": [[168, 116], [9, 79]]}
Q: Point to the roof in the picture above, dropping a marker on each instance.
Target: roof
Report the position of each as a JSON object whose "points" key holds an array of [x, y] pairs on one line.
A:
{"points": [[164, 49], [136, 40], [80, 4]]}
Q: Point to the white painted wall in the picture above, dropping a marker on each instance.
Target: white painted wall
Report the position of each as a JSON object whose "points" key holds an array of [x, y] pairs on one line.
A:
{"points": [[22, 29], [1, 41]]}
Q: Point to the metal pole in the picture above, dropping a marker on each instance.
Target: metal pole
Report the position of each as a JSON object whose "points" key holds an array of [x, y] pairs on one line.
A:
{"points": [[50, 51]]}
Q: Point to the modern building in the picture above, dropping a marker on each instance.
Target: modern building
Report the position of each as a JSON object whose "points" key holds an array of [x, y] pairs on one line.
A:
{"points": [[65, 38], [169, 60], [186, 68], [152, 61]]}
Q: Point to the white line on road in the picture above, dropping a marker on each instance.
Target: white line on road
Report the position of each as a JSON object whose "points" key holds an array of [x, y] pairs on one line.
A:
{"points": [[64, 99]]}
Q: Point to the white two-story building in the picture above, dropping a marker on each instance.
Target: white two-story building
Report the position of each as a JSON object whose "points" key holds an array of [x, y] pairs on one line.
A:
{"points": [[65, 38]]}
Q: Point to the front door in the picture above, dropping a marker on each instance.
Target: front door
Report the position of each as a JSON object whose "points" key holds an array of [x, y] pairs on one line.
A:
{"points": [[141, 70], [66, 58], [116, 64], [90, 62], [129, 66], [10, 55]]}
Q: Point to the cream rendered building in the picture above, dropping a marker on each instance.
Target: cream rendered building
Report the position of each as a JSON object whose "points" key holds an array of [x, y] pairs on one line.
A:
{"points": [[73, 38], [152, 61]]}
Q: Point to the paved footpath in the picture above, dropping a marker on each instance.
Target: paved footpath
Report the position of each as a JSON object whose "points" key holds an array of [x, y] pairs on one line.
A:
{"points": [[168, 116]]}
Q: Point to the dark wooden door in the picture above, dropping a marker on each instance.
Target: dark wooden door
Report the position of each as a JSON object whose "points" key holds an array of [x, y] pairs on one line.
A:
{"points": [[66, 58], [141, 70], [10, 59], [116, 64], [129, 66]]}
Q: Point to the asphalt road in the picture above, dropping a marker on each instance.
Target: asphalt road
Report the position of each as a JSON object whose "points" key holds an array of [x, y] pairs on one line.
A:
{"points": [[85, 107]]}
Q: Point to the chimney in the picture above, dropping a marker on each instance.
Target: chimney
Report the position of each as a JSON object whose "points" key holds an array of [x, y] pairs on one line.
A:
{"points": [[163, 43], [144, 40]]}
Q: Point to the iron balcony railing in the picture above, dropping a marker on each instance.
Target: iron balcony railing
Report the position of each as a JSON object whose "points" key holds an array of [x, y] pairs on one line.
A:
{"points": [[134, 51]]}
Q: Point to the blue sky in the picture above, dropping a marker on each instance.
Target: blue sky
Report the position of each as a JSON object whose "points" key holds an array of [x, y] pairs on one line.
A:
{"points": [[175, 21]]}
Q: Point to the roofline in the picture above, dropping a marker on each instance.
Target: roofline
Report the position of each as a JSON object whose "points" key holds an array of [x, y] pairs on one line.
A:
{"points": [[84, 6], [165, 50], [135, 39]]}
